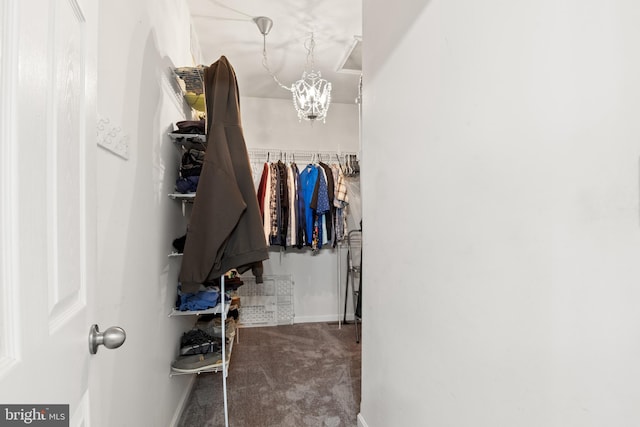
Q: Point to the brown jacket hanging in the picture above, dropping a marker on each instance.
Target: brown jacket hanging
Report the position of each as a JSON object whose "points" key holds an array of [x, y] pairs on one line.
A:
{"points": [[225, 229]]}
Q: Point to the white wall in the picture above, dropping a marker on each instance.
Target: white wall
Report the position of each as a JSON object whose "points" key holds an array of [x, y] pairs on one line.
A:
{"points": [[269, 123], [512, 297], [273, 124], [139, 43]]}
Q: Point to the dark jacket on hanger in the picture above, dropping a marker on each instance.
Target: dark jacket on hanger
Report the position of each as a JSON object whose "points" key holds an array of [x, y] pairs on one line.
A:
{"points": [[225, 229], [332, 210], [282, 206]]}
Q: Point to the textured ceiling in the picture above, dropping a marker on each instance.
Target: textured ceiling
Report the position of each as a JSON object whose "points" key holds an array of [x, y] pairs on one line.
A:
{"points": [[225, 27]]}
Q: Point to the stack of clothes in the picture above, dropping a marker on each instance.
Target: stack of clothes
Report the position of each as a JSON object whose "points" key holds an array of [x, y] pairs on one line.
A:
{"points": [[206, 297], [192, 158], [191, 127], [208, 294]]}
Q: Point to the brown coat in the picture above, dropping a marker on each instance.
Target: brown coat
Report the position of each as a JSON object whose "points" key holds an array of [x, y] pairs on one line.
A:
{"points": [[225, 229]]}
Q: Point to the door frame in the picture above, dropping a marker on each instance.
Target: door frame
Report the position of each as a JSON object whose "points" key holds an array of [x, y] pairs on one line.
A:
{"points": [[9, 349]]}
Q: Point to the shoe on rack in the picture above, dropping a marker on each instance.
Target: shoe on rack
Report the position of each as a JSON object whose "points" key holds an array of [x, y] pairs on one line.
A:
{"points": [[197, 341], [197, 362], [205, 347], [213, 327]]}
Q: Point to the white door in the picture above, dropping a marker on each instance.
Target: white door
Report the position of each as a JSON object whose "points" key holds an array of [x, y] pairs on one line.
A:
{"points": [[47, 213]]}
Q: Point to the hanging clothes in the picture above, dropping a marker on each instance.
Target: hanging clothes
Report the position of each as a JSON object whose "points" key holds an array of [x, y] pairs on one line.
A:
{"points": [[331, 210], [225, 230], [308, 180], [302, 208], [301, 222], [321, 200], [262, 187], [273, 203], [265, 184], [282, 205], [291, 184], [340, 201]]}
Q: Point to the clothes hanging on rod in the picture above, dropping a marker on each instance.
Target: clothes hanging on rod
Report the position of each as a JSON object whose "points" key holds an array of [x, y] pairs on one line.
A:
{"points": [[347, 161], [302, 207]]}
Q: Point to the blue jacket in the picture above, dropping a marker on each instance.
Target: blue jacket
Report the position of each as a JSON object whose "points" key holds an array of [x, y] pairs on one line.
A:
{"points": [[308, 178]]}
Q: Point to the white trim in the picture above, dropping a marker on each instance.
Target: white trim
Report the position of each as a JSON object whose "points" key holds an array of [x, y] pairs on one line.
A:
{"points": [[61, 311], [77, 11], [322, 318], [182, 403], [82, 413], [51, 171], [62, 308], [361, 421], [356, 43], [9, 277], [85, 137], [65, 310]]}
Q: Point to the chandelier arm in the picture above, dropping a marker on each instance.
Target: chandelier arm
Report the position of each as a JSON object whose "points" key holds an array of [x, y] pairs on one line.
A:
{"points": [[265, 64], [311, 94], [275, 78]]}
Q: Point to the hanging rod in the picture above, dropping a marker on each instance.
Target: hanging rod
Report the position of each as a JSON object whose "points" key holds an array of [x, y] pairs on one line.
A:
{"points": [[262, 155]]}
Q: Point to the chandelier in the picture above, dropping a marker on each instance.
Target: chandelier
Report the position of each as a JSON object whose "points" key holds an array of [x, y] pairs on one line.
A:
{"points": [[311, 94]]}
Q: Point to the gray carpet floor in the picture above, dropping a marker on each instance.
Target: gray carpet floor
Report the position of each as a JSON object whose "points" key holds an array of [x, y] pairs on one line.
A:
{"points": [[295, 375]]}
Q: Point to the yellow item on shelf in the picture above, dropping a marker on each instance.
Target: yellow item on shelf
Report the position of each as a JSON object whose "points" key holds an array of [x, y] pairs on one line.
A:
{"points": [[196, 101]]}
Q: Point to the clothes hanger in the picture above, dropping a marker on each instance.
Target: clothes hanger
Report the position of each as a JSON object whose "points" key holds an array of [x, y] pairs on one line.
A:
{"points": [[339, 163]]}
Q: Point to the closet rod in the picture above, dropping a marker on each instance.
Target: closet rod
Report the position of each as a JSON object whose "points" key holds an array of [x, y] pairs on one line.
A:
{"points": [[298, 156]]}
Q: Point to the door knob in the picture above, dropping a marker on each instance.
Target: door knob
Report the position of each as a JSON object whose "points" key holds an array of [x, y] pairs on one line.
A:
{"points": [[111, 338]]}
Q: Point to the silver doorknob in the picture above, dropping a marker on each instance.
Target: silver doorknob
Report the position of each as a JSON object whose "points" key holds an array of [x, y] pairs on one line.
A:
{"points": [[111, 338]]}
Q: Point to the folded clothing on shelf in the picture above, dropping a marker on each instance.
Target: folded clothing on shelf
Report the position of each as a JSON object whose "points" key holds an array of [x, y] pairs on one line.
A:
{"points": [[191, 127], [191, 162], [187, 185], [205, 298], [190, 169]]}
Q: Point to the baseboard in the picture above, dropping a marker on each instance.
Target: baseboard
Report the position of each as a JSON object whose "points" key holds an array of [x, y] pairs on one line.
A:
{"points": [[183, 402], [361, 421], [321, 318]]}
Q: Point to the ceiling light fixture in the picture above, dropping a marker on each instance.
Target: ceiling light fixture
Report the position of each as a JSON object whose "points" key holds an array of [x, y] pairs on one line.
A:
{"points": [[311, 94]]}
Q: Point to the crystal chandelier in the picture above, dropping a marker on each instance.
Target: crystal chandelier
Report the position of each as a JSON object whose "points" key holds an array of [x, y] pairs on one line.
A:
{"points": [[311, 94]]}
